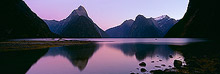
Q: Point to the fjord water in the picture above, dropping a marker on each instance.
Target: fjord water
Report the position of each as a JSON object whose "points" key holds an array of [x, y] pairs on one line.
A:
{"points": [[105, 56]]}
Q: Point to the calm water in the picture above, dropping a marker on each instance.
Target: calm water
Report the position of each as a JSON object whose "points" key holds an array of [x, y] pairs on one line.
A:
{"points": [[108, 56]]}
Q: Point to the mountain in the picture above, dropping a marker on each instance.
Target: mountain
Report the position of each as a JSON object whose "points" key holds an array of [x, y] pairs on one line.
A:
{"points": [[160, 25], [200, 21], [18, 21], [77, 24], [122, 30], [164, 23], [53, 25], [144, 28]]}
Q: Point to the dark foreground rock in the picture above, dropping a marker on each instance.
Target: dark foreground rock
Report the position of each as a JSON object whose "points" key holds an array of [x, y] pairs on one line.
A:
{"points": [[177, 63], [143, 70], [203, 58], [200, 58], [170, 56], [142, 64]]}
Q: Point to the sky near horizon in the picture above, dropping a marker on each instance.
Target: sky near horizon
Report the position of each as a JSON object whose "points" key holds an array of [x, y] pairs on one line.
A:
{"points": [[109, 13]]}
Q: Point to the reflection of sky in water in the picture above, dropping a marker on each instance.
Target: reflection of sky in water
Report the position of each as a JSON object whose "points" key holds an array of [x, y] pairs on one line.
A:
{"points": [[108, 58], [167, 41]]}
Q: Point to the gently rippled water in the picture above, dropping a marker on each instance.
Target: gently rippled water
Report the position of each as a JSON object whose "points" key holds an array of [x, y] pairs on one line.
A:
{"points": [[106, 56]]}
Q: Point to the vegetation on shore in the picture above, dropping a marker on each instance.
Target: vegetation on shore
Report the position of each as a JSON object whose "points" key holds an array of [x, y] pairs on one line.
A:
{"points": [[28, 45]]}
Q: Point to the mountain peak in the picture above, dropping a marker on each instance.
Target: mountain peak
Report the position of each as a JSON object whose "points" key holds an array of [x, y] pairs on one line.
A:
{"points": [[80, 11], [162, 17], [81, 8], [140, 17], [128, 22]]}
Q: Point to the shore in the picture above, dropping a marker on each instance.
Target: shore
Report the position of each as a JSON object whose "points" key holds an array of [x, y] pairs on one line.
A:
{"points": [[200, 58], [29, 45]]}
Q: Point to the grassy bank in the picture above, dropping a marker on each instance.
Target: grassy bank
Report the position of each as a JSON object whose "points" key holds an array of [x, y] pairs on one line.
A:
{"points": [[28, 45]]}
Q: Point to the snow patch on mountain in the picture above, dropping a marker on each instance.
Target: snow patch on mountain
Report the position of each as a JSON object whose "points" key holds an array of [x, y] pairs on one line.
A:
{"points": [[161, 17]]}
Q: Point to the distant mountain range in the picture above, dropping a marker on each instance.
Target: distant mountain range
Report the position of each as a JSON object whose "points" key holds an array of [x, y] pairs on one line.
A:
{"points": [[18, 21], [142, 27], [76, 25]]}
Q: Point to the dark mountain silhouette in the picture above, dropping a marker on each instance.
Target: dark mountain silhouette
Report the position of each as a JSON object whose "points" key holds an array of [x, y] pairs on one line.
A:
{"points": [[77, 24], [53, 25], [18, 21], [200, 21], [122, 30], [143, 27]]}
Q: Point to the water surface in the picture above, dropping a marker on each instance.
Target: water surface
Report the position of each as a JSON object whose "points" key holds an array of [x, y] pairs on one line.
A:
{"points": [[108, 56]]}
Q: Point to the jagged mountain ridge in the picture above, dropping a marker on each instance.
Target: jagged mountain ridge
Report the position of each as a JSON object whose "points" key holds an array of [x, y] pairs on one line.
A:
{"points": [[121, 30], [144, 28], [77, 24], [162, 23]]}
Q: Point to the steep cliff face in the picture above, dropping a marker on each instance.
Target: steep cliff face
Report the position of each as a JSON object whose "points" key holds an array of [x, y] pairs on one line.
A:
{"points": [[200, 21], [164, 23], [82, 27], [18, 21], [53, 25], [145, 28], [76, 25]]}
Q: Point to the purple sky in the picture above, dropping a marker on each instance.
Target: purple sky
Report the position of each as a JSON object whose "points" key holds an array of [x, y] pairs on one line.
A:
{"points": [[109, 13]]}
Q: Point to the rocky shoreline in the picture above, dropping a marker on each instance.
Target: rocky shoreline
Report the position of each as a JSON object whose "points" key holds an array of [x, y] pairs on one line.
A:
{"points": [[199, 58]]}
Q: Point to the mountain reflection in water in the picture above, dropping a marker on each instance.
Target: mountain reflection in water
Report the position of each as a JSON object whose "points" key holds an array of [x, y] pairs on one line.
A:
{"points": [[115, 56], [78, 55], [106, 58], [19, 62], [141, 51]]}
